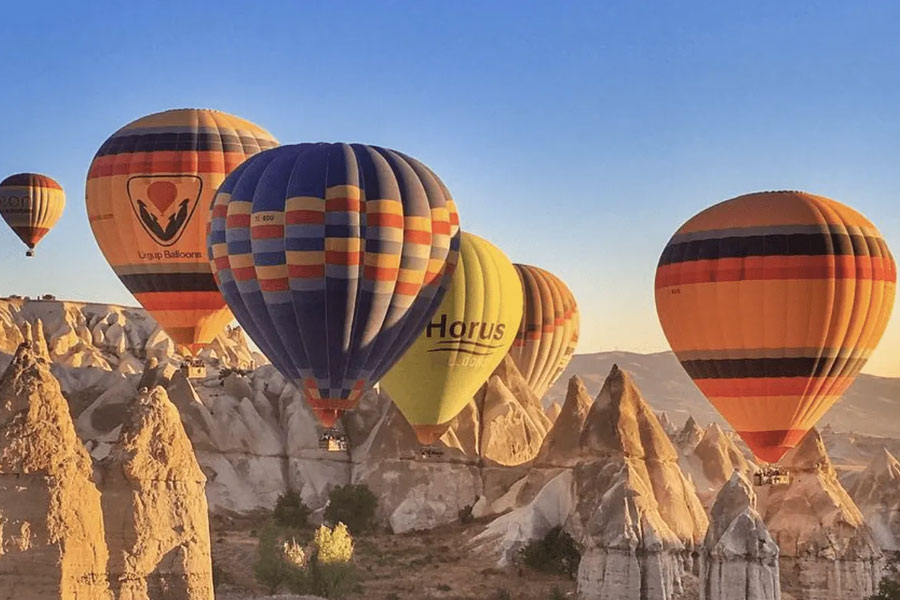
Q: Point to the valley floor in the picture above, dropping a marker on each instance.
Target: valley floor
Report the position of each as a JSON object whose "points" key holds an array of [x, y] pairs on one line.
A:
{"points": [[431, 564]]}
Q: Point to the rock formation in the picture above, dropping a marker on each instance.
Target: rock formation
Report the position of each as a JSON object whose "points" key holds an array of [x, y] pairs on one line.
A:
{"points": [[739, 559], [828, 552], [877, 493], [52, 536], [154, 507], [553, 411], [415, 490], [711, 462], [620, 493], [689, 435], [513, 422], [562, 446]]}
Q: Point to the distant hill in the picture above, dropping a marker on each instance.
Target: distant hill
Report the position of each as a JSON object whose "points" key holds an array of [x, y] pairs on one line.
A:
{"points": [[871, 405]]}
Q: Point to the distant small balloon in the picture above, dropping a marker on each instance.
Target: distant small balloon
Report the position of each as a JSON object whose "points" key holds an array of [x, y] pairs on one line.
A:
{"points": [[31, 204]]}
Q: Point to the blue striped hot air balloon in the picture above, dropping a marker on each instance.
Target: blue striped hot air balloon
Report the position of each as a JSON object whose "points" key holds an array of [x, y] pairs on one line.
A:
{"points": [[333, 257]]}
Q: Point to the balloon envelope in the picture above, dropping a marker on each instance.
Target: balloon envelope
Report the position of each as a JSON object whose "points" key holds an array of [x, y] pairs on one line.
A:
{"points": [[773, 302], [333, 257], [462, 344], [31, 204], [149, 190], [548, 333]]}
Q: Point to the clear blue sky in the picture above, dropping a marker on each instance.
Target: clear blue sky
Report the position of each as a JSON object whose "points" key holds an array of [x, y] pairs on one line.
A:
{"points": [[576, 136]]}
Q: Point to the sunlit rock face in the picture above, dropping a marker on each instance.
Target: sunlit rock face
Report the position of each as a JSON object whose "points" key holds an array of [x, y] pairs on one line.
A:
{"points": [[154, 507], [828, 552], [52, 534], [617, 488], [876, 492], [738, 558], [711, 462]]}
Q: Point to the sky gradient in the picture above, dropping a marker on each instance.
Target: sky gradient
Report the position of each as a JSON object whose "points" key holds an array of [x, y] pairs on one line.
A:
{"points": [[575, 136]]}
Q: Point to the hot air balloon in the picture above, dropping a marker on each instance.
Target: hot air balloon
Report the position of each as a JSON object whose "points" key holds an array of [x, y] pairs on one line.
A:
{"points": [[148, 194], [773, 302], [548, 333], [462, 344], [31, 204], [333, 257]]}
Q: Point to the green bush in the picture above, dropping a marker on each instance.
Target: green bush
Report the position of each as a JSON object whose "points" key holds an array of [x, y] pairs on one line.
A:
{"points": [[465, 514], [269, 568], [888, 589], [556, 552], [353, 505], [290, 511]]}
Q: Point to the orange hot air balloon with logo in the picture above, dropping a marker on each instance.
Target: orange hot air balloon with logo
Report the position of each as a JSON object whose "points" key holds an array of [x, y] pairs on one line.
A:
{"points": [[548, 334], [149, 191], [773, 302], [31, 204]]}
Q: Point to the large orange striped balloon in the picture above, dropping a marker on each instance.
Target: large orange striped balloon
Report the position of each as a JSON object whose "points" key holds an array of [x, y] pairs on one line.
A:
{"points": [[31, 204], [773, 302], [149, 191], [548, 333]]}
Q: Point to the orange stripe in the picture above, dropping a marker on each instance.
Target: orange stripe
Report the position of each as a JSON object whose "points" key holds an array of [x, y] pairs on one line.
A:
{"points": [[384, 220], [306, 271], [274, 285], [413, 236], [297, 217], [207, 162], [342, 204], [380, 274], [767, 386], [776, 267], [181, 300]]}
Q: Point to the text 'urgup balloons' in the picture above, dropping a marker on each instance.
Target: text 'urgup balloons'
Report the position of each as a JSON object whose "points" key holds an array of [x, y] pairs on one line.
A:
{"points": [[773, 302], [333, 257], [31, 204], [463, 342], [148, 195], [548, 334]]}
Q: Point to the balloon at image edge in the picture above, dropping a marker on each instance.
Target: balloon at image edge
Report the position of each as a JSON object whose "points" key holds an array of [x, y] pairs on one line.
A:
{"points": [[548, 334], [333, 257], [772, 303], [148, 196], [31, 204], [465, 340]]}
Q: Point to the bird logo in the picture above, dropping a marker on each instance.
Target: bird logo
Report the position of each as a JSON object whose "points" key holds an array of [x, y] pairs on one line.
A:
{"points": [[164, 204]]}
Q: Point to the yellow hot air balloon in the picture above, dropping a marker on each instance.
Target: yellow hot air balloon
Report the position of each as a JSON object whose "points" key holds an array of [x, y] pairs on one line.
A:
{"points": [[31, 204], [149, 191], [773, 302], [463, 343], [548, 333]]}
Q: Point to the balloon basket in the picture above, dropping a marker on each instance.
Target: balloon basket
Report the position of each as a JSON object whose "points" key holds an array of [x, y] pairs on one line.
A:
{"points": [[29, 253], [427, 452], [771, 475], [333, 440]]}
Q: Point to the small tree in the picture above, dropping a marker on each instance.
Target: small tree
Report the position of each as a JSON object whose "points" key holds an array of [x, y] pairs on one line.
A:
{"points": [[889, 586], [352, 504], [556, 552], [332, 572], [269, 567], [290, 511]]}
